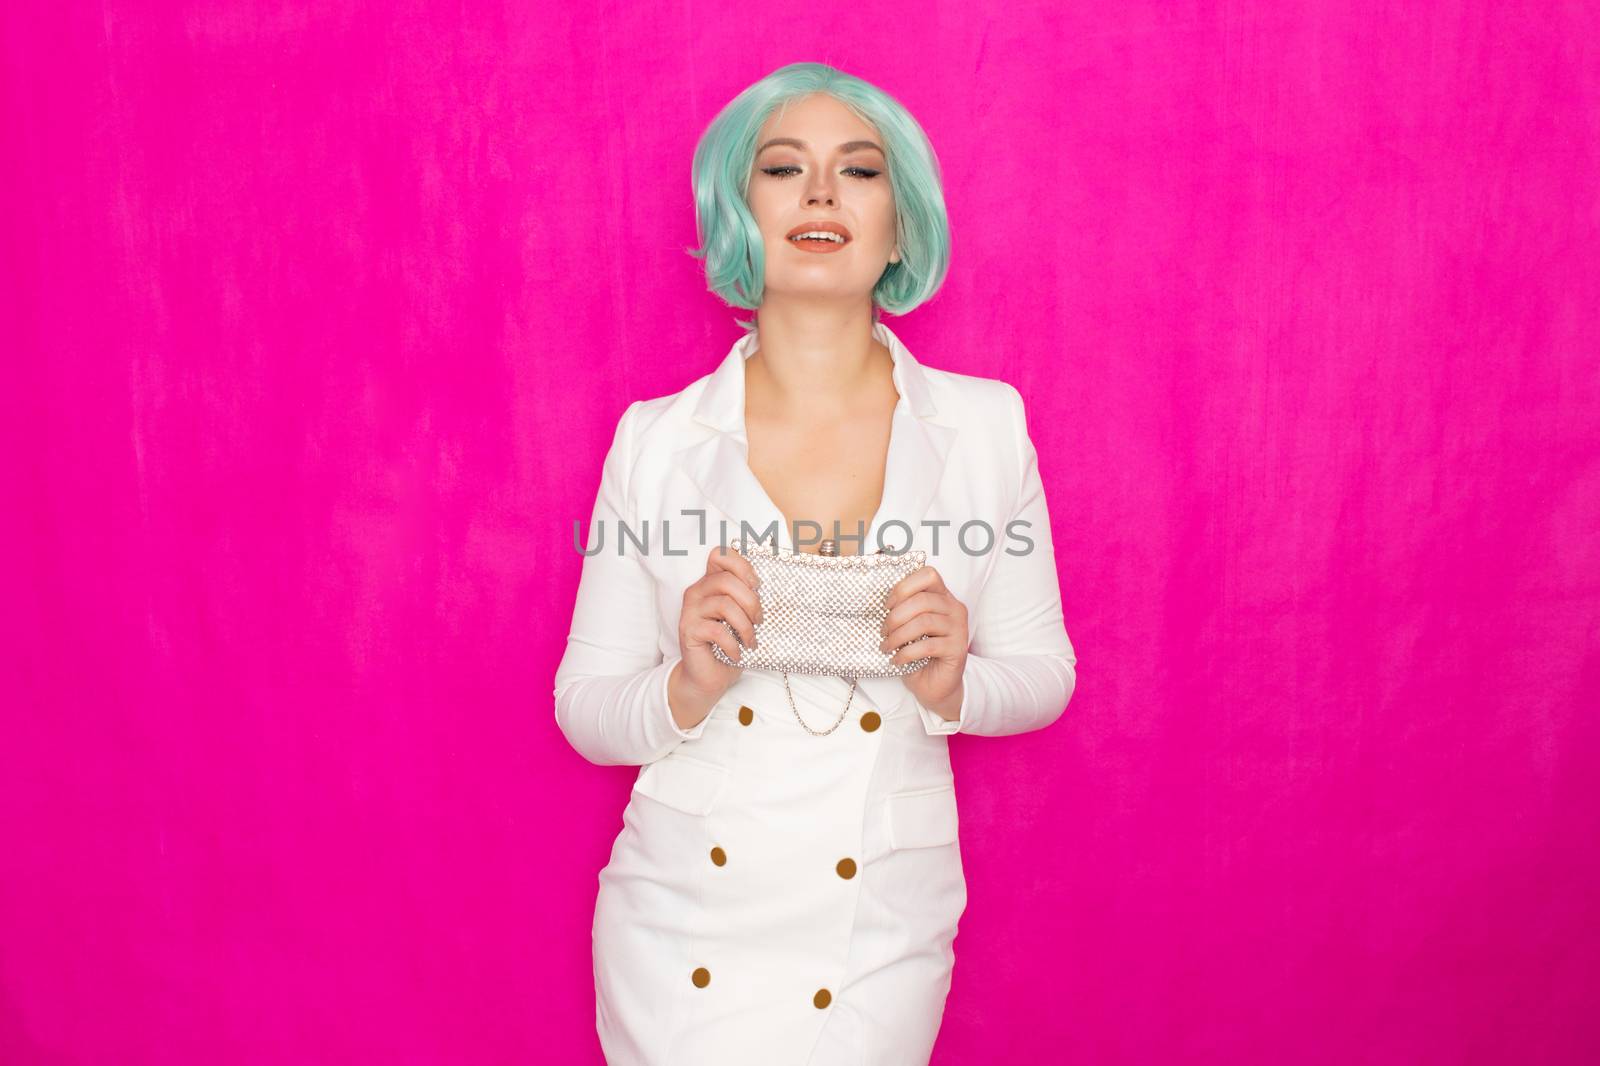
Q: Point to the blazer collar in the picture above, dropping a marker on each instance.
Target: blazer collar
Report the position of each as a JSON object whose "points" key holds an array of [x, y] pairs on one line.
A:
{"points": [[918, 446]]}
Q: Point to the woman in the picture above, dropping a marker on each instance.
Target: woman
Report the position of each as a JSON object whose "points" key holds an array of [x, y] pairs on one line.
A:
{"points": [[788, 881]]}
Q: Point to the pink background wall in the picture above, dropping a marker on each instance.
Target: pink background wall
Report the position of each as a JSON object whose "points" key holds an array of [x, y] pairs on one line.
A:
{"points": [[317, 323]]}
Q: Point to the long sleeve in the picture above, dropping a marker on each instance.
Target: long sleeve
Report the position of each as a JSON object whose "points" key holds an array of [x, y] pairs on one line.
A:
{"points": [[1021, 668], [611, 687]]}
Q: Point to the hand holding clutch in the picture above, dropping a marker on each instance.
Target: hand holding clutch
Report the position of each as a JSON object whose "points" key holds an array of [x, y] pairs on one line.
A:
{"points": [[824, 613]]}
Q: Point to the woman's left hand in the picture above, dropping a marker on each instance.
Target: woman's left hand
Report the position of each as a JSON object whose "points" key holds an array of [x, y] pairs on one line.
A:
{"points": [[920, 605]]}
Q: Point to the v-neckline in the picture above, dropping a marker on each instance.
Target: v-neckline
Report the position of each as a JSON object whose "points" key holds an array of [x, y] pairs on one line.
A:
{"points": [[785, 531]]}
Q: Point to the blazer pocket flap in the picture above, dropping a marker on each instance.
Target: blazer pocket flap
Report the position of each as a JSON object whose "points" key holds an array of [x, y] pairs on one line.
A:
{"points": [[683, 782], [924, 818]]}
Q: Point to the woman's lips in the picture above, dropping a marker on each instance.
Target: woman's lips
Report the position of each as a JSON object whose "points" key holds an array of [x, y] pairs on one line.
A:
{"points": [[837, 239], [819, 247]]}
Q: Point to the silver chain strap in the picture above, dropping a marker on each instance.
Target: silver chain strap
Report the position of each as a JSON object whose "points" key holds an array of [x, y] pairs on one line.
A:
{"points": [[802, 721]]}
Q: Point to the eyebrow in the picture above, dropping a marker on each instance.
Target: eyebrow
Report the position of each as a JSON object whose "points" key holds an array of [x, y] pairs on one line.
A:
{"points": [[846, 148]]}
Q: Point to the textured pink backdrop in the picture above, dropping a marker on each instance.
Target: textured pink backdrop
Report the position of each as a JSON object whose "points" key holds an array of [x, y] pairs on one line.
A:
{"points": [[317, 323]]}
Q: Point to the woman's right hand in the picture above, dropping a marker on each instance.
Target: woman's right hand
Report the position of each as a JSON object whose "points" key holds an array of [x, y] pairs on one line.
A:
{"points": [[726, 593]]}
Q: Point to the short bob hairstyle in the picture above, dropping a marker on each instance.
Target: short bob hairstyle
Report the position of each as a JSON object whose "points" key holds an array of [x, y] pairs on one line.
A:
{"points": [[730, 239]]}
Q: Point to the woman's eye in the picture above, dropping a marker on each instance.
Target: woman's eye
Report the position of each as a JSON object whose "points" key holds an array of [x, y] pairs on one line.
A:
{"points": [[785, 171]]}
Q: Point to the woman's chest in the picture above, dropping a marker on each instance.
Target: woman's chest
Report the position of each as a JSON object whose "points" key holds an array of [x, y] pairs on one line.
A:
{"points": [[827, 483]]}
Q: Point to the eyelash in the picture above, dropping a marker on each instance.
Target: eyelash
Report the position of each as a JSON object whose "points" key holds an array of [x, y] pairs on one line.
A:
{"points": [[785, 171]]}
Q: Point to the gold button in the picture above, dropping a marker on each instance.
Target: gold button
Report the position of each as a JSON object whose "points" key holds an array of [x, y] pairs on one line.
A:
{"points": [[719, 856], [746, 716], [822, 998], [702, 977], [846, 868], [871, 720]]}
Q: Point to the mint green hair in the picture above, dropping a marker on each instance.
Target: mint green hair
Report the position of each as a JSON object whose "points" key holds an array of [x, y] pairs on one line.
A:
{"points": [[730, 239]]}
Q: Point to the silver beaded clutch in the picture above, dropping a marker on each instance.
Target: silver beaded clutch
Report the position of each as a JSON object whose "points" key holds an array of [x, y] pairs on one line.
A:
{"points": [[821, 613]]}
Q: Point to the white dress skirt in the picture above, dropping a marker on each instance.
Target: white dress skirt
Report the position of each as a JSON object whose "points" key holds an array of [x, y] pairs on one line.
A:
{"points": [[771, 901]]}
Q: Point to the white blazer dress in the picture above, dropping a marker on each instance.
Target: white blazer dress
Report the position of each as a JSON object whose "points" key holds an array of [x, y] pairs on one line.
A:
{"points": [[775, 897]]}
